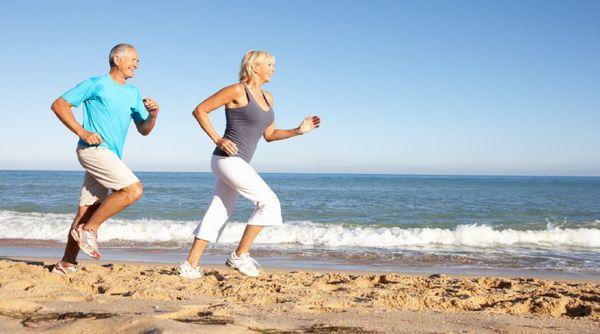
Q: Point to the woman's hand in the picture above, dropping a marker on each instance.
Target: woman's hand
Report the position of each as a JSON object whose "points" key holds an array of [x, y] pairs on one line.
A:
{"points": [[308, 124], [227, 146]]}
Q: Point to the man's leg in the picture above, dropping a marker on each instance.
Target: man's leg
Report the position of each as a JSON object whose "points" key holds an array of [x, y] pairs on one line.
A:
{"points": [[92, 193], [112, 173], [83, 215], [113, 204]]}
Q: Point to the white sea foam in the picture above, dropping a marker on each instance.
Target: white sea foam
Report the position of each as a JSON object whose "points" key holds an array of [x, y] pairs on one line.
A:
{"points": [[46, 226]]}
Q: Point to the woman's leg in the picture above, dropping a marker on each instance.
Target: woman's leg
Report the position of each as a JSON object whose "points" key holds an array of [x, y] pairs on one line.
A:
{"points": [[250, 233], [196, 252], [239, 175], [219, 210]]}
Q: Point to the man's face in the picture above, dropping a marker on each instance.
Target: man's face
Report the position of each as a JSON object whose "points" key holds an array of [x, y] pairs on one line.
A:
{"points": [[127, 62]]}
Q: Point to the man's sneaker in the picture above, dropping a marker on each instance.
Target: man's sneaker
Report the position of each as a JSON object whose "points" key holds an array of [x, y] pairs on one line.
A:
{"points": [[244, 264], [62, 268], [87, 240], [186, 271]]}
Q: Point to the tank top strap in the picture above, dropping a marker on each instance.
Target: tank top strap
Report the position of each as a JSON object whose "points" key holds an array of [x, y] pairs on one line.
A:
{"points": [[266, 100], [248, 94]]}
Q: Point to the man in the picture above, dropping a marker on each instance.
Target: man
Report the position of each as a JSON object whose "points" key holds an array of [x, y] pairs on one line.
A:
{"points": [[110, 105]]}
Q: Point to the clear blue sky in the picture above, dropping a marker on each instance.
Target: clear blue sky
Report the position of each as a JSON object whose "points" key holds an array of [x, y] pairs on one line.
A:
{"points": [[426, 87]]}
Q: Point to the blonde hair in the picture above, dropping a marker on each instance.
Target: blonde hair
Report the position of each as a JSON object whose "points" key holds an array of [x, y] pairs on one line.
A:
{"points": [[250, 59]]}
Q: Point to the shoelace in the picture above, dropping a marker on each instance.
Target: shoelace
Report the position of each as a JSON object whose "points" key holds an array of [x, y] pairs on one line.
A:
{"points": [[91, 238], [247, 256]]}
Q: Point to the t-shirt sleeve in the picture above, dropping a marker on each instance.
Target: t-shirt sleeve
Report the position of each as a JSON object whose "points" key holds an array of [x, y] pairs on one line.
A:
{"points": [[83, 91], [139, 113]]}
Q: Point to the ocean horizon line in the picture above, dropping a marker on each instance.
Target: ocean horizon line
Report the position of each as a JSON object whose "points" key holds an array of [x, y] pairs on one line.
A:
{"points": [[491, 175]]}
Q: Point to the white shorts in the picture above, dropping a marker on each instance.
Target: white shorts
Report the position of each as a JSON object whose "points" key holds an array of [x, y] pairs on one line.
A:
{"points": [[103, 171], [237, 177]]}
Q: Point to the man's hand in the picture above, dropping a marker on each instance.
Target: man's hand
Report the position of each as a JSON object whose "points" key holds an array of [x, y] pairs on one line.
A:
{"points": [[308, 124], [228, 146], [151, 106], [91, 138]]}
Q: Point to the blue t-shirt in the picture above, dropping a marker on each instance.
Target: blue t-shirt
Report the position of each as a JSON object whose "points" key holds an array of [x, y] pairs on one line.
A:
{"points": [[108, 109]]}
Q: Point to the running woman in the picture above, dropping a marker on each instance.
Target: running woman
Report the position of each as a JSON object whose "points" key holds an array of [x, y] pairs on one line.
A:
{"points": [[249, 114]]}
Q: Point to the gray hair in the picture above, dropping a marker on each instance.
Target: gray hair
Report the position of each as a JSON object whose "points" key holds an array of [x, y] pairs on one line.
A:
{"points": [[117, 51]]}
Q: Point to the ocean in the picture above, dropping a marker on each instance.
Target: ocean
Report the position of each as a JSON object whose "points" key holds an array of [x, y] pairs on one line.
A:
{"points": [[400, 223]]}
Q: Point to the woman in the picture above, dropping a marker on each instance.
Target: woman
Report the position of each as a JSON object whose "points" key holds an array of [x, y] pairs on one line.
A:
{"points": [[249, 114]]}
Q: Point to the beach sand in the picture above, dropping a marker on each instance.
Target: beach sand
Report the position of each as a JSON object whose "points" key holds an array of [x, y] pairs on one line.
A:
{"points": [[118, 297]]}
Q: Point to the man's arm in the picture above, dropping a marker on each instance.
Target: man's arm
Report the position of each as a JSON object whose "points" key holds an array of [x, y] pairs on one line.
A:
{"points": [[146, 126], [62, 110]]}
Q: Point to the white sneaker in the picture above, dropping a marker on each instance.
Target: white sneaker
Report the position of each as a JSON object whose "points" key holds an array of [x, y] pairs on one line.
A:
{"points": [[244, 264], [87, 241], [63, 268], [186, 271]]}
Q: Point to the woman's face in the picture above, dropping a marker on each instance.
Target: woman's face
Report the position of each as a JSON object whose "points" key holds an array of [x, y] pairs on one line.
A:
{"points": [[264, 71]]}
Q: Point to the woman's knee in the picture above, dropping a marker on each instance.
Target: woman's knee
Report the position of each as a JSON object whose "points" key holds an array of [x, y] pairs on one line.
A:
{"points": [[270, 201]]}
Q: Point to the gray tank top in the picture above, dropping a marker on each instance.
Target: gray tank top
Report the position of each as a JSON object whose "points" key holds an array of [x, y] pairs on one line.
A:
{"points": [[245, 126]]}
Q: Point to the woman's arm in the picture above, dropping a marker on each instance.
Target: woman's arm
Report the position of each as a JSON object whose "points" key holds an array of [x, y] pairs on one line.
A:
{"points": [[308, 124], [227, 95]]}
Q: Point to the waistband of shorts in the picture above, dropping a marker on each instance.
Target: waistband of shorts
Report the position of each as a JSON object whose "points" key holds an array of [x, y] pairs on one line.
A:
{"points": [[83, 147]]}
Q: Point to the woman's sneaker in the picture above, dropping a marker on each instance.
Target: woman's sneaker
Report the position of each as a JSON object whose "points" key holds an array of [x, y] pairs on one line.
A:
{"points": [[62, 268], [87, 241], [244, 264], [186, 271]]}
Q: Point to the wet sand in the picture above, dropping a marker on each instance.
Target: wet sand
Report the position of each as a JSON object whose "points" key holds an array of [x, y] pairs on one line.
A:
{"points": [[324, 261], [119, 297]]}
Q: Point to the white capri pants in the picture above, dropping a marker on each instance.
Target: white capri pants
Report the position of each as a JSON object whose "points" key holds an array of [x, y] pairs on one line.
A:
{"points": [[237, 177]]}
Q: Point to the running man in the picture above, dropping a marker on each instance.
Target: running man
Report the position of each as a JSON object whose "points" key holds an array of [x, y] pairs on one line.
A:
{"points": [[110, 103], [249, 114]]}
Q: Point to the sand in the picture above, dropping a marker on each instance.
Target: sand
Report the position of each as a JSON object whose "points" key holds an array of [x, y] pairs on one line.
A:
{"points": [[116, 297]]}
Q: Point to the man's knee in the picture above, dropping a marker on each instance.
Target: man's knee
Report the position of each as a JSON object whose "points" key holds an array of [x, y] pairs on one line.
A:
{"points": [[134, 192]]}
